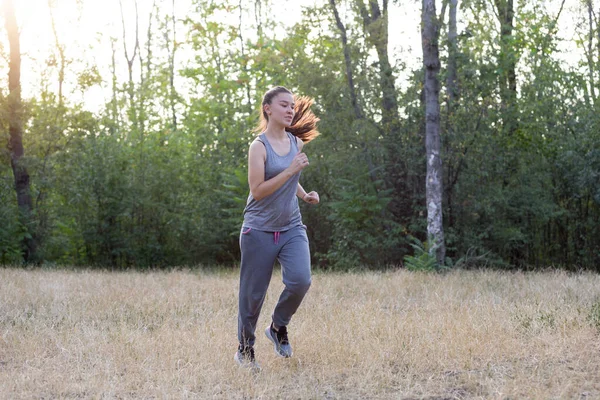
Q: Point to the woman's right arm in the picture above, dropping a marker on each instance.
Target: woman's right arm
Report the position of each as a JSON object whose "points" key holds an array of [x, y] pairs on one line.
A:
{"points": [[260, 188]]}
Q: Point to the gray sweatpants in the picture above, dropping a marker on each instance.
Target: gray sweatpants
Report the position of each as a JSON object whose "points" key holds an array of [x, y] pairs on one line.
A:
{"points": [[259, 251]]}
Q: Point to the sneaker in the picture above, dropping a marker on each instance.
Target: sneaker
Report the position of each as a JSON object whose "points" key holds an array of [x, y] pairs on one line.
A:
{"points": [[244, 356], [280, 340]]}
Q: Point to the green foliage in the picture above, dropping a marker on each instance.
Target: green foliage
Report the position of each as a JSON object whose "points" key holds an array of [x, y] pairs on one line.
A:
{"points": [[234, 193], [158, 176], [89, 78], [424, 259], [361, 232], [11, 235]]}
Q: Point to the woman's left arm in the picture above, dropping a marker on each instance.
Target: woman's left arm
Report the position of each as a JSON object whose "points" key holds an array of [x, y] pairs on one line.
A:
{"points": [[300, 192], [311, 197]]}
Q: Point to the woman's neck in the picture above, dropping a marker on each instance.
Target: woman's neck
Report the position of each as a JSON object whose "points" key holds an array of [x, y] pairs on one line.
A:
{"points": [[276, 132]]}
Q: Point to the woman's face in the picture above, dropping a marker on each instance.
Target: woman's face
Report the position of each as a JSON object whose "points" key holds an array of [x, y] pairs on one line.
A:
{"points": [[281, 109]]}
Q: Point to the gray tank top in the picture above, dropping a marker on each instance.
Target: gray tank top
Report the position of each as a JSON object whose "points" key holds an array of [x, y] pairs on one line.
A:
{"points": [[279, 211]]}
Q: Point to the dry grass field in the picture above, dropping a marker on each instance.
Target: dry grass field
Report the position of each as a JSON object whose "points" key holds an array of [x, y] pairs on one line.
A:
{"points": [[393, 335]]}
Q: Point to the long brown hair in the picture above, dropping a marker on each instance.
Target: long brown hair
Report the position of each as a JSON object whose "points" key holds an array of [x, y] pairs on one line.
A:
{"points": [[304, 123]]}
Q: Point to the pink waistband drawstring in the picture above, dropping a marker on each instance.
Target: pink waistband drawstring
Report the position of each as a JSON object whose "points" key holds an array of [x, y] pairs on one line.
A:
{"points": [[276, 237]]}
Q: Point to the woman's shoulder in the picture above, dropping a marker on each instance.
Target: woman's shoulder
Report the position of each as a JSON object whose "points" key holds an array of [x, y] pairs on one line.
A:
{"points": [[258, 146], [259, 140], [299, 142]]}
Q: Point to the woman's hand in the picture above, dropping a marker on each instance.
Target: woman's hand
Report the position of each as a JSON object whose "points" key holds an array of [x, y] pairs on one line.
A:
{"points": [[311, 198], [299, 162]]}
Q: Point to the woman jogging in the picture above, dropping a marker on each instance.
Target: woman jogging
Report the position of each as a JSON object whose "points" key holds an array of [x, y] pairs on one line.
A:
{"points": [[272, 228]]}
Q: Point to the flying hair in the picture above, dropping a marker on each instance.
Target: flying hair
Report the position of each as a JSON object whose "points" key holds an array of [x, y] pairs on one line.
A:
{"points": [[304, 123]]}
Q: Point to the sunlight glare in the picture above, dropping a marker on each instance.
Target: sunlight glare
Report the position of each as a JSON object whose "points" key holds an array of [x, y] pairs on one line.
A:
{"points": [[79, 26]]}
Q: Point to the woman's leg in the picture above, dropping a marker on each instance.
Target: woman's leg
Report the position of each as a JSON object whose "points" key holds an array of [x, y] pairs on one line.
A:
{"points": [[294, 257], [259, 253]]}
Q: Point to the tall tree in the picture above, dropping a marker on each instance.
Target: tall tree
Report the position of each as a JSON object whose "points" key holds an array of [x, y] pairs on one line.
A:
{"points": [[590, 49], [508, 64], [114, 102], [130, 85], [171, 51], [358, 112], [451, 79], [375, 20], [347, 61], [15, 144], [60, 48], [451, 100], [434, 182]]}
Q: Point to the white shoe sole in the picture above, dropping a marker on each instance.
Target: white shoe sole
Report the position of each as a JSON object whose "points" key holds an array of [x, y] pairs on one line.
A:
{"points": [[275, 344], [246, 364]]}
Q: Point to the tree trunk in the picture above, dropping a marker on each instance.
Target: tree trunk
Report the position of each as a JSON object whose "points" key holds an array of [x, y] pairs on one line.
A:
{"points": [[141, 97], [451, 79], [15, 143], [114, 103], [244, 64], [173, 93], [590, 52], [130, 61], [452, 96], [358, 114], [597, 30], [61, 53], [508, 64], [376, 25], [348, 61], [258, 18], [149, 41], [434, 183]]}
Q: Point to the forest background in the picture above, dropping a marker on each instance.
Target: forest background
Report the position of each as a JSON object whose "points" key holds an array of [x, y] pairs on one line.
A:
{"points": [[135, 141]]}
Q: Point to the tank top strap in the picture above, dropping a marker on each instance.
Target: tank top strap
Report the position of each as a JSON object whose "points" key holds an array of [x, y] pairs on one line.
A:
{"points": [[265, 142], [293, 141]]}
